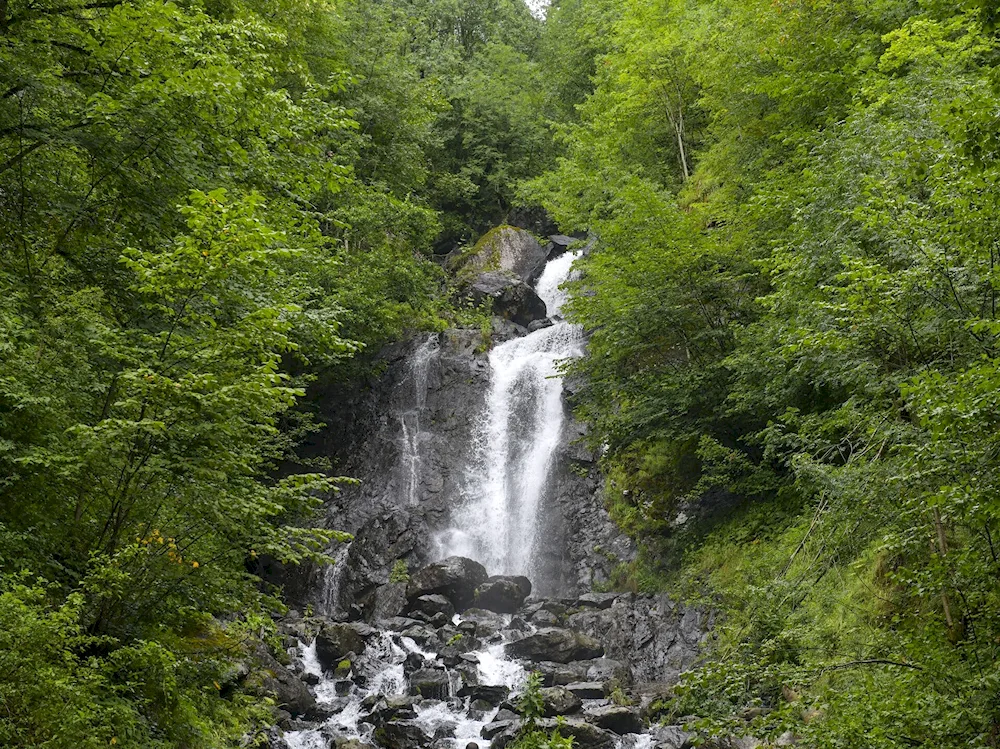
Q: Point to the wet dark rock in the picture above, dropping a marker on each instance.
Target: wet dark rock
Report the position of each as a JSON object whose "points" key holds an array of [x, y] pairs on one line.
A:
{"points": [[437, 620], [510, 297], [559, 701], [420, 634], [455, 578], [615, 718], [596, 600], [491, 730], [387, 601], [430, 683], [402, 735], [334, 642], [290, 692], [555, 644], [560, 674], [534, 325], [544, 618], [487, 623], [588, 690], [585, 735], [398, 623], [491, 694], [502, 594], [310, 679], [412, 662], [352, 744], [433, 604]]}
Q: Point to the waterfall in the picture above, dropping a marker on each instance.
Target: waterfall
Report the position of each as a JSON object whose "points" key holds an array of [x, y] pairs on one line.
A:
{"points": [[412, 430], [516, 440]]}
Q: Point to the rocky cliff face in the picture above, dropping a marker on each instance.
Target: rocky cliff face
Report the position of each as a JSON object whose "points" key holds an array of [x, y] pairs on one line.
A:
{"points": [[408, 437]]}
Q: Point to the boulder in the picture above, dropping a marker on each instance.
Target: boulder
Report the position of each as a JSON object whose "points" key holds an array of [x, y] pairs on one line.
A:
{"points": [[433, 604], [491, 730], [387, 601], [505, 249], [545, 618], [596, 600], [559, 701], [402, 734], [493, 695], [335, 641], [455, 578], [585, 735], [606, 669], [290, 693], [503, 594], [487, 623], [556, 644], [588, 690], [671, 737], [511, 299], [617, 719], [430, 684], [560, 674], [534, 325]]}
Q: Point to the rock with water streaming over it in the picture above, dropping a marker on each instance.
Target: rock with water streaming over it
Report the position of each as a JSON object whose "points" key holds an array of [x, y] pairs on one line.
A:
{"points": [[455, 578], [402, 735], [503, 594], [556, 644]]}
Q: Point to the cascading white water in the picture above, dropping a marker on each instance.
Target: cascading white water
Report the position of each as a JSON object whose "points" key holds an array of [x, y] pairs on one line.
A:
{"points": [[412, 429], [516, 439]]}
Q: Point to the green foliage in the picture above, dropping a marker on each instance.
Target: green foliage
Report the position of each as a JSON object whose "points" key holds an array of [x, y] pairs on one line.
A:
{"points": [[792, 306], [532, 707], [400, 572]]}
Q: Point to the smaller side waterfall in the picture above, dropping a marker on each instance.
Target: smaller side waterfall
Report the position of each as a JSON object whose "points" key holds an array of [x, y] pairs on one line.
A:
{"points": [[413, 434], [516, 440]]}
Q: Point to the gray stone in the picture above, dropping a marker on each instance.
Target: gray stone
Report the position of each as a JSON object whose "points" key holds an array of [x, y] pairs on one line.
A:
{"points": [[615, 718], [534, 325], [430, 683], [555, 644], [434, 604], [488, 623], [544, 618], [505, 249], [671, 737], [596, 600], [402, 735], [559, 701], [455, 578], [588, 690], [387, 601], [511, 298], [492, 695], [560, 674], [502, 594], [335, 641], [290, 692]]}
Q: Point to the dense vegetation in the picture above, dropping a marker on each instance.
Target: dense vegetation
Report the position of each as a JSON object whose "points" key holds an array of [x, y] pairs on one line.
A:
{"points": [[794, 353], [204, 204]]}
